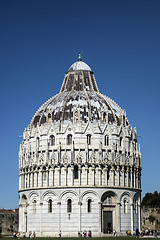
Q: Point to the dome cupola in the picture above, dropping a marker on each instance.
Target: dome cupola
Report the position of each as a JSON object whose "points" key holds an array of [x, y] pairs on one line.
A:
{"points": [[79, 91], [79, 65]]}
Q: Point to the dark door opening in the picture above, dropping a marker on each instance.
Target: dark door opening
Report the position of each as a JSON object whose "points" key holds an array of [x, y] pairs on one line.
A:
{"points": [[107, 222]]}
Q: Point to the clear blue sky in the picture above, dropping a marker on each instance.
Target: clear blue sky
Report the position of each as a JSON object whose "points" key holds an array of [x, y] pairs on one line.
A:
{"points": [[40, 39]]}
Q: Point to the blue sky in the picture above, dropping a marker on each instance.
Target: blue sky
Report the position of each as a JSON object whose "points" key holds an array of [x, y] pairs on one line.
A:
{"points": [[40, 39]]}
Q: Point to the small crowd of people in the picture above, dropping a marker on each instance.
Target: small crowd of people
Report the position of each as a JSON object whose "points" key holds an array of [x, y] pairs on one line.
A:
{"points": [[142, 233], [18, 235], [84, 234]]}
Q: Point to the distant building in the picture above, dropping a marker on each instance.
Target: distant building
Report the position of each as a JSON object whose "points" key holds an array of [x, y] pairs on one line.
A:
{"points": [[79, 163], [151, 217], [9, 221]]}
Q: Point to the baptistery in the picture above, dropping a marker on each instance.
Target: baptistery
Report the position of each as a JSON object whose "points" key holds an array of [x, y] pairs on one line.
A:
{"points": [[79, 163]]}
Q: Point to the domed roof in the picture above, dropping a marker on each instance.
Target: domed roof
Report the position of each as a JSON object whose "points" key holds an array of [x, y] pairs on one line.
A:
{"points": [[79, 101], [79, 65]]}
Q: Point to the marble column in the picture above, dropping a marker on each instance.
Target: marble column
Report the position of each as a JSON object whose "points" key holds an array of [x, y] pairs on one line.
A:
{"points": [[139, 217], [65, 176], [28, 180], [134, 178], [106, 175], [118, 217], [123, 176], [79, 174], [41, 177], [32, 179], [127, 176], [86, 169], [59, 176], [100, 217], [53, 171], [131, 172], [37, 178], [72, 176], [59, 218], [112, 171], [132, 218], [41, 219], [118, 175], [80, 204], [47, 178], [100, 176], [93, 175]]}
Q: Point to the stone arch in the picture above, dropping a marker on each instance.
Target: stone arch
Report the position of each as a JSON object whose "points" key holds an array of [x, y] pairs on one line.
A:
{"points": [[136, 197], [89, 192], [109, 209], [23, 199], [107, 195], [67, 192], [50, 194], [126, 194], [31, 194]]}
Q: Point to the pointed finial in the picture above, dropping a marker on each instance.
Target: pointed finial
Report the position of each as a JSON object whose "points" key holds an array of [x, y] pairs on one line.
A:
{"points": [[79, 57]]}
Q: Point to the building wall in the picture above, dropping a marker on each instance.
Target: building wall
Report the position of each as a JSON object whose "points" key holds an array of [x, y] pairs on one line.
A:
{"points": [[153, 211], [46, 223], [9, 220]]}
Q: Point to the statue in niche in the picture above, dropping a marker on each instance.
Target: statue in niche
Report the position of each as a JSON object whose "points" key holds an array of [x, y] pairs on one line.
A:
{"points": [[117, 159], [65, 158], [92, 158], [106, 159], [79, 158], [53, 158], [41, 161], [127, 160]]}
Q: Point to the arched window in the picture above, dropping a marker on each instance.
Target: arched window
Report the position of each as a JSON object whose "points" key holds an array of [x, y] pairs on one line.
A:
{"points": [[75, 172], [50, 205], [34, 206], [106, 140], [89, 139], [125, 206], [69, 206], [49, 116], [24, 197], [69, 139], [104, 117], [52, 140], [89, 205]]}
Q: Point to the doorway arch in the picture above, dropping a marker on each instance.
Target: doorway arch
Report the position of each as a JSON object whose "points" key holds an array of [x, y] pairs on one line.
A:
{"points": [[109, 212]]}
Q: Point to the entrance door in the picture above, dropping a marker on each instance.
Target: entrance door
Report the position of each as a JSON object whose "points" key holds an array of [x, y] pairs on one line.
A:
{"points": [[107, 222]]}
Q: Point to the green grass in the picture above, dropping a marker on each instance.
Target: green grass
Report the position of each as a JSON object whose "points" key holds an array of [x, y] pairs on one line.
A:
{"points": [[73, 238]]}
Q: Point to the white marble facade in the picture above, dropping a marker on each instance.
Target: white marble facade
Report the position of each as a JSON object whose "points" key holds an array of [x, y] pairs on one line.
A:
{"points": [[79, 163]]}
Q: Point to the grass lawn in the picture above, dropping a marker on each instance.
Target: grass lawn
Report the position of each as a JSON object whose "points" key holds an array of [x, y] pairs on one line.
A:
{"points": [[73, 238]]}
